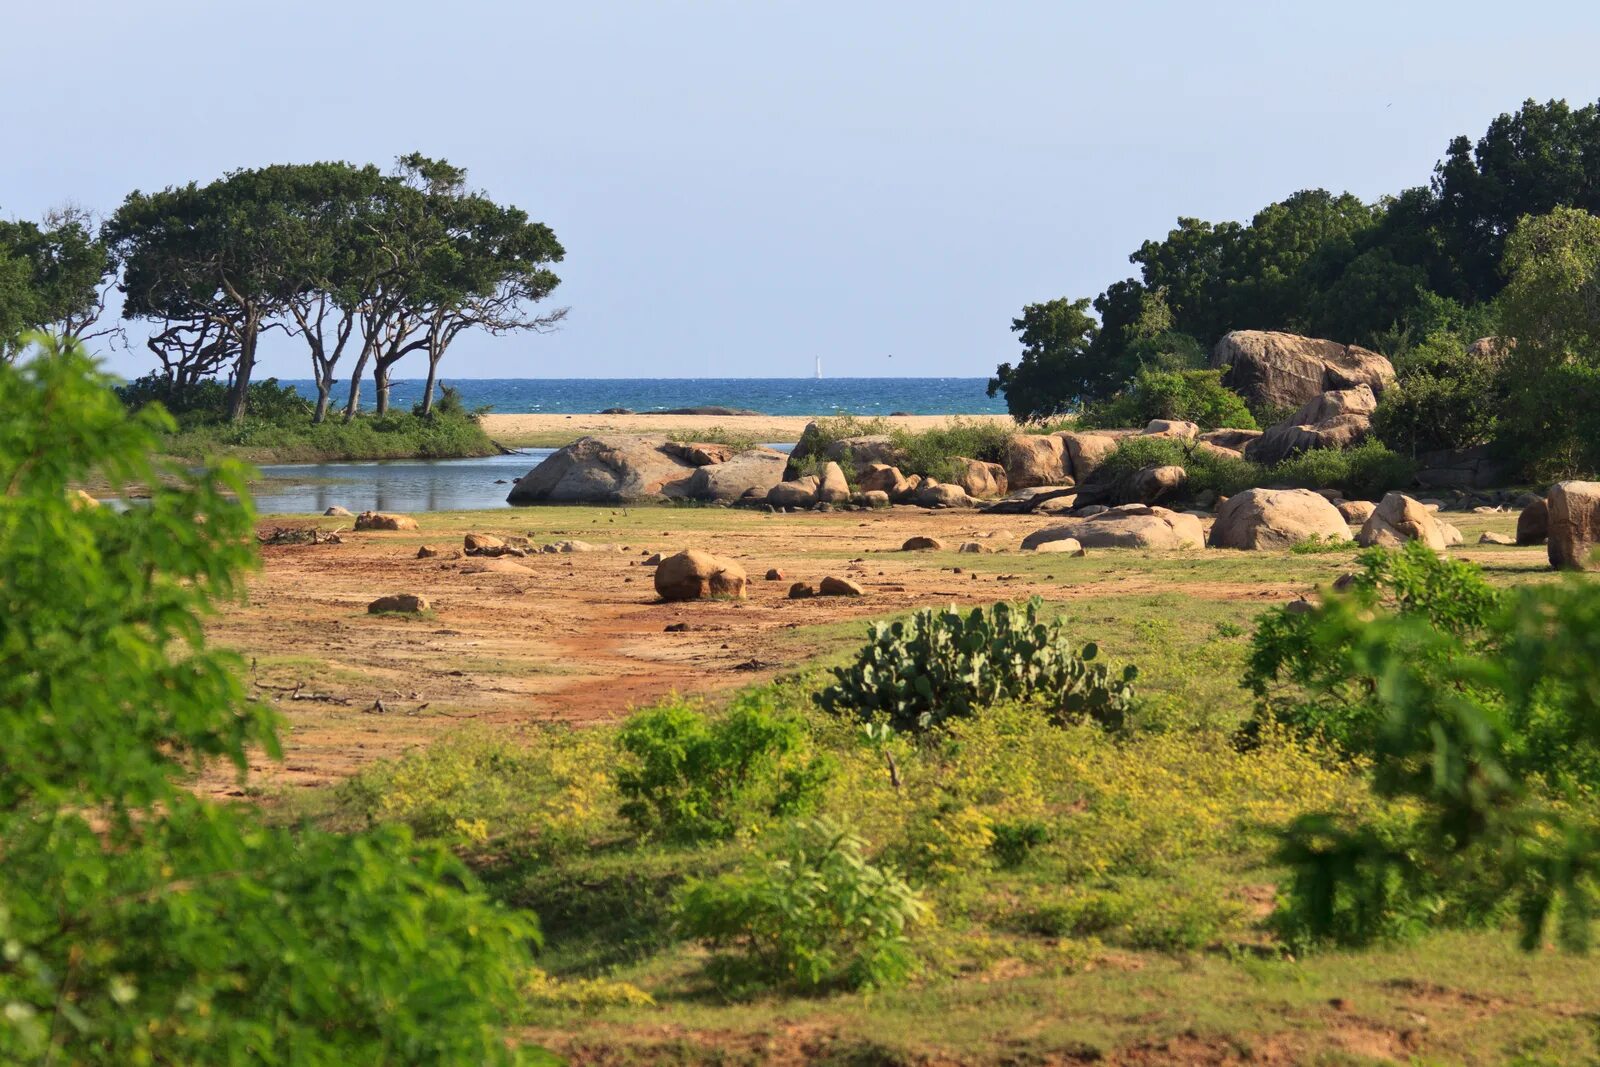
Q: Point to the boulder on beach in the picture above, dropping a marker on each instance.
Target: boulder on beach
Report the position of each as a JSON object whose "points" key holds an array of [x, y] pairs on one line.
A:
{"points": [[383, 520], [1128, 526], [800, 493], [695, 575], [1034, 459], [405, 603], [1273, 369], [606, 469], [1574, 524], [833, 488], [1276, 518], [980, 480], [750, 473], [1398, 519]]}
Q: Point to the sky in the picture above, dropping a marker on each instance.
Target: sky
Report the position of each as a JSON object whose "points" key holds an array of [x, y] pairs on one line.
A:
{"points": [[743, 188]]}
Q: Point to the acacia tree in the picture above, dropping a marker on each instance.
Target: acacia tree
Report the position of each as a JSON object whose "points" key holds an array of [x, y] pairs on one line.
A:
{"points": [[53, 276]]}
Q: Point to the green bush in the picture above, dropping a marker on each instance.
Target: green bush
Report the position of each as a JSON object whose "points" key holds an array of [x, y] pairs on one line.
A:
{"points": [[1364, 472], [397, 435], [813, 914], [143, 925], [1196, 396], [1443, 397], [1207, 470], [686, 776], [939, 665], [206, 401], [929, 453]]}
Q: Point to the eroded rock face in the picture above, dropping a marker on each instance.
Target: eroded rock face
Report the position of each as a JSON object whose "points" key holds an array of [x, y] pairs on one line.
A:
{"points": [[1229, 440], [1286, 370], [700, 453], [1334, 419], [1276, 518], [1533, 525], [747, 473], [1034, 459], [834, 488], [983, 481], [1130, 526], [1087, 450], [882, 478], [1175, 429], [1574, 524], [943, 495], [800, 493], [1398, 519], [383, 520], [1356, 512], [695, 575], [611, 469]]}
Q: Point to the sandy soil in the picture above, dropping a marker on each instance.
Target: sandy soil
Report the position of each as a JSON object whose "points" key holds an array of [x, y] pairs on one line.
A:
{"points": [[510, 429]]}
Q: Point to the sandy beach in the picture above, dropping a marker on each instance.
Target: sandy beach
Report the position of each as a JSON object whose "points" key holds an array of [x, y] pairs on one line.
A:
{"points": [[546, 429]]}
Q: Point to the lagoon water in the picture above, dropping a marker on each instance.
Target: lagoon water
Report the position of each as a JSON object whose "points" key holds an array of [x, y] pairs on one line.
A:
{"points": [[770, 396]]}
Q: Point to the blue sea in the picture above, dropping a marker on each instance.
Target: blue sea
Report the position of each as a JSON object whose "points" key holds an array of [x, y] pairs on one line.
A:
{"points": [[770, 396]]}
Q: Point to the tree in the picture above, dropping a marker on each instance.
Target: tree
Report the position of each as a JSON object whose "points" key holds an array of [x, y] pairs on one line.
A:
{"points": [[54, 275], [1058, 368], [140, 923]]}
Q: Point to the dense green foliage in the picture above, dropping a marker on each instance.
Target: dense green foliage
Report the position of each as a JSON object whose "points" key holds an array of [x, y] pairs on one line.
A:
{"points": [[1364, 472], [1196, 396], [928, 452], [812, 914], [142, 925], [1446, 395], [685, 776], [939, 665], [51, 277], [1478, 712]]}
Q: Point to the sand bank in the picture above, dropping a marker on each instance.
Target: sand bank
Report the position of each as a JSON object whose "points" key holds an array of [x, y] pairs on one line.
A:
{"points": [[561, 429]]}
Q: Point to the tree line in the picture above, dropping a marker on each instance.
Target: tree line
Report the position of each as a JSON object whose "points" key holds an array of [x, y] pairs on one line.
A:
{"points": [[361, 266], [1428, 261]]}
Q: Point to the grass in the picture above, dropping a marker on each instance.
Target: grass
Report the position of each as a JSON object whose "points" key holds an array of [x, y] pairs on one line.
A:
{"points": [[367, 437]]}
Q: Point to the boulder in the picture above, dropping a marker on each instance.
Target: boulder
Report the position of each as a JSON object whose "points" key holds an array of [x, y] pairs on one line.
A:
{"points": [[1023, 501], [907, 493], [409, 603], [1066, 545], [863, 451], [1398, 519], [497, 566], [1334, 419], [873, 498], [1086, 451], [943, 495], [831, 586], [427, 552], [486, 544], [1151, 485], [1034, 459], [1452, 535], [610, 469], [922, 544], [800, 493], [694, 575], [1356, 512], [880, 477], [1271, 369], [337, 512], [699, 453], [801, 591], [974, 548], [1276, 518], [749, 473], [383, 520], [834, 488], [1574, 524], [1174, 428], [774, 574], [1489, 537], [1130, 526], [981, 480], [1533, 525], [1229, 440], [562, 548]]}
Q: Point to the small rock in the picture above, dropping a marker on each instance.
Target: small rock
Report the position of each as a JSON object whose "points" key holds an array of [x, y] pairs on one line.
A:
{"points": [[774, 575], [382, 520], [1489, 537], [801, 591], [402, 602], [676, 628], [427, 552], [831, 586], [337, 512], [922, 544], [477, 542], [973, 548], [1069, 545], [1300, 607]]}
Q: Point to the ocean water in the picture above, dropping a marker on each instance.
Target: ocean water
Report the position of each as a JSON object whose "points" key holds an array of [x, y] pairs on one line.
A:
{"points": [[770, 396]]}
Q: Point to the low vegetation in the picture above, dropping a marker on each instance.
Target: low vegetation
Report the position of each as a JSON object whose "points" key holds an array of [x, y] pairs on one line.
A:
{"points": [[1364, 472], [929, 453]]}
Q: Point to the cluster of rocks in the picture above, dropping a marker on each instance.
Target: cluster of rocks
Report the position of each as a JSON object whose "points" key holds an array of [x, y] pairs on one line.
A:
{"points": [[632, 468], [696, 575]]}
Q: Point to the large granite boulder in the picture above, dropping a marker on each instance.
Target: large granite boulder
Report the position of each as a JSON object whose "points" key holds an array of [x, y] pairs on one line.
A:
{"points": [[1533, 524], [800, 493], [860, 451], [833, 487], [1574, 524], [1398, 519], [1129, 526], [932, 494], [1034, 459], [1276, 518], [757, 470], [610, 469], [1086, 450], [1175, 429], [1285, 370], [694, 575], [1338, 418], [1150, 485], [982, 481]]}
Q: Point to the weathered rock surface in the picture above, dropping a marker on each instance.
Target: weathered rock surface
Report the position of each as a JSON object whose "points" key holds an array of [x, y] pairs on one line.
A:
{"points": [[1176, 429], [1334, 419], [1067, 546], [1276, 518], [757, 469], [1574, 524], [1229, 440], [694, 575], [800, 493], [1286, 370], [612, 469], [881, 477], [1037, 459], [922, 544], [1129, 526], [1398, 519], [407, 603], [875, 498], [1489, 537], [383, 520], [943, 495], [1356, 512], [699, 453], [1023, 501], [834, 488], [497, 566], [1533, 525], [832, 586], [1151, 485], [982, 481], [1087, 450], [335, 512]]}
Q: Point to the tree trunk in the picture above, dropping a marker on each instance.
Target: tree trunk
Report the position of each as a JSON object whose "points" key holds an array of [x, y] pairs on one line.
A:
{"points": [[241, 376], [324, 387], [352, 403], [380, 386], [427, 393]]}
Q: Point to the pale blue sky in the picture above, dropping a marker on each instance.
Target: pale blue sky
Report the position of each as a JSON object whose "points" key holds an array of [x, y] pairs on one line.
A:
{"points": [[742, 187]]}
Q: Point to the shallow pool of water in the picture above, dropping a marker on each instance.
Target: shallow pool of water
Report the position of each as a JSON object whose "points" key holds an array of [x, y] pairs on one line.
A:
{"points": [[405, 485]]}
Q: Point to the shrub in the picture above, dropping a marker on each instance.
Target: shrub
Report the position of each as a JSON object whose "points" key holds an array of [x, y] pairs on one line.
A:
{"points": [[206, 401], [141, 924], [685, 776], [935, 666], [1443, 397], [812, 914], [1364, 472], [1222, 475], [948, 841], [1016, 839], [738, 440], [1196, 396], [929, 453]]}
